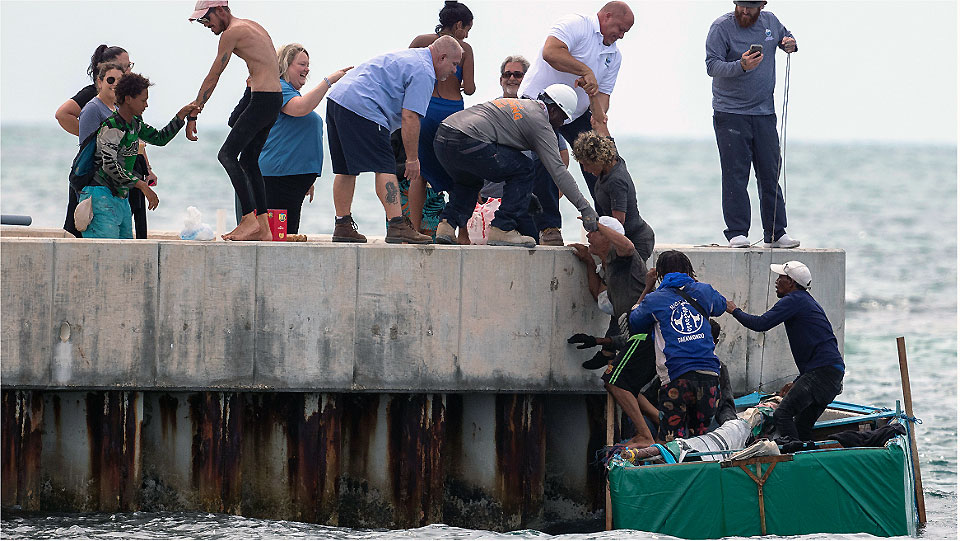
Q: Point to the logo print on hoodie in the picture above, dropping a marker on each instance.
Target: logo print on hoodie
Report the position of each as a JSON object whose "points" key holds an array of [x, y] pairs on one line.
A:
{"points": [[685, 320]]}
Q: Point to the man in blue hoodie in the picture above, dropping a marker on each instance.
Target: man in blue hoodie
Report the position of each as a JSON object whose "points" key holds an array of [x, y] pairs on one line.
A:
{"points": [[814, 348], [677, 314]]}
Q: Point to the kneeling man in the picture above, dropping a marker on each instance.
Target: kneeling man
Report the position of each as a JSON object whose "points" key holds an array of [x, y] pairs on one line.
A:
{"points": [[487, 141]]}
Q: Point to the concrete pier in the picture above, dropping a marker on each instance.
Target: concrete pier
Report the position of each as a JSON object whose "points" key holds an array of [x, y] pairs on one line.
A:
{"points": [[359, 385]]}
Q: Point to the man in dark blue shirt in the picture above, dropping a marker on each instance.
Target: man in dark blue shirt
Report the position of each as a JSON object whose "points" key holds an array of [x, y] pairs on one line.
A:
{"points": [[814, 348]]}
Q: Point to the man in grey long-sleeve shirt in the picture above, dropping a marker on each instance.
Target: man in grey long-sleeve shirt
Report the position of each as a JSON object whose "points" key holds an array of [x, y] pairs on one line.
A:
{"points": [[744, 119], [487, 141]]}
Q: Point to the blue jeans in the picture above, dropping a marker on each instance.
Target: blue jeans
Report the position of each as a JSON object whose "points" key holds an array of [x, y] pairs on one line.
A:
{"points": [[546, 189], [742, 140], [111, 215], [809, 396], [469, 161]]}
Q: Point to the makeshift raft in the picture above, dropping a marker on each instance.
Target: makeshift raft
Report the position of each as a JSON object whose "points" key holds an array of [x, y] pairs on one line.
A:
{"points": [[840, 490]]}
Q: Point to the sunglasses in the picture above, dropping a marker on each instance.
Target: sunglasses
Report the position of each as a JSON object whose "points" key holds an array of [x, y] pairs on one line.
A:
{"points": [[514, 74], [206, 17], [129, 66]]}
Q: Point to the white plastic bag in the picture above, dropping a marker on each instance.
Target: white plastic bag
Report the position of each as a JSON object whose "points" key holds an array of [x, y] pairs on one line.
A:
{"points": [[479, 224], [193, 228]]}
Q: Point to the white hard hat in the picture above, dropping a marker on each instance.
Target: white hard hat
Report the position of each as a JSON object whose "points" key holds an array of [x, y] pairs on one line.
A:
{"points": [[795, 270], [564, 96]]}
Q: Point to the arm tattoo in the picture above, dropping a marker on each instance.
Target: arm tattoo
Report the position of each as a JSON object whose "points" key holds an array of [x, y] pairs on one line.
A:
{"points": [[391, 192], [224, 59]]}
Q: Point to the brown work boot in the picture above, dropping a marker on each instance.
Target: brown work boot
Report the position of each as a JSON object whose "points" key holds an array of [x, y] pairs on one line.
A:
{"points": [[345, 230], [551, 237], [499, 237], [446, 233], [400, 230]]}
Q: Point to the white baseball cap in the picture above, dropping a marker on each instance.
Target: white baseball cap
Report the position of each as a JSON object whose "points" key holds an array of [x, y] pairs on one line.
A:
{"points": [[612, 223], [795, 270]]}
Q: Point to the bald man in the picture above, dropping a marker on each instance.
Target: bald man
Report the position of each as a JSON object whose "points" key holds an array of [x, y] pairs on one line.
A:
{"points": [[580, 51], [376, 98]]}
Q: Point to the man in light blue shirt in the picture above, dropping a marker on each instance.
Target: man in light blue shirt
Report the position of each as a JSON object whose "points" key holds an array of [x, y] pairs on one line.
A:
{"points": [[741, 52], [387, 93]]}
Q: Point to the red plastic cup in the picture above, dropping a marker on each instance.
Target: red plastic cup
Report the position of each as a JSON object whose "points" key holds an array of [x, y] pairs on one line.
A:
{"points": [[277, 218]]}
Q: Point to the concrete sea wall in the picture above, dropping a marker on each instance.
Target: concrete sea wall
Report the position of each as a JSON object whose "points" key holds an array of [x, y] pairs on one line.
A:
{"points": [[366, 386]]}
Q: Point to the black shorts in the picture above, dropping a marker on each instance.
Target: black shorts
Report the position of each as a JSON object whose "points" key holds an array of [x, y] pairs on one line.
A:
{"points": [[633, 367], [357, 145]]}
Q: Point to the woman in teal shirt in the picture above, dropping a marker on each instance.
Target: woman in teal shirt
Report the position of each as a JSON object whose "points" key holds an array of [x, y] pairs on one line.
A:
{"points": [[293, 154]]}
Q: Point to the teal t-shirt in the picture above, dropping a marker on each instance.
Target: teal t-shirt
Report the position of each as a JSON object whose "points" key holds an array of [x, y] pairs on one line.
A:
{"points": [[295, 143]]}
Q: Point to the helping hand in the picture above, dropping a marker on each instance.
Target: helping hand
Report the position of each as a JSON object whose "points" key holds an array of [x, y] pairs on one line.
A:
{"points": [[585, 340], [731, 306], [589, 218], [599, 125], [589, 84]]}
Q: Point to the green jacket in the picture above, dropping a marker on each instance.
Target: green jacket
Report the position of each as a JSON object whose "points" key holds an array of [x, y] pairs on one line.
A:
{"points": [[117, 146]]}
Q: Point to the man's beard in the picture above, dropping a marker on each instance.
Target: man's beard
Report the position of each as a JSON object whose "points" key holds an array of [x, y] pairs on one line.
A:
{"points": [[746, 21]]}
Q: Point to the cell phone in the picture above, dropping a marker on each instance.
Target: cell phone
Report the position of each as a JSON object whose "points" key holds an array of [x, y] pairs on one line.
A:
{"points": [[756, 48]]}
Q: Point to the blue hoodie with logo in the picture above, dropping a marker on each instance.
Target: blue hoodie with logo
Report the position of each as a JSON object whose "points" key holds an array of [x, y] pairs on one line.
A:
{"points": [[680, 332]]}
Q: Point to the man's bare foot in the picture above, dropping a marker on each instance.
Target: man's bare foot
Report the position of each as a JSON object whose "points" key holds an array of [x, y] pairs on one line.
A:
{"points": [[250, 228], [638, 442], [463, 237]]}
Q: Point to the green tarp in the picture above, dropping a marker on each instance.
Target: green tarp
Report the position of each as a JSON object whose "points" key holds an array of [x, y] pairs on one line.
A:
{"points": [[830, 491]]}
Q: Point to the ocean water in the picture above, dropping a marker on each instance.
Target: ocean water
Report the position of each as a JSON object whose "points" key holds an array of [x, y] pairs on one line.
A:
{"points": [[892, 208]]}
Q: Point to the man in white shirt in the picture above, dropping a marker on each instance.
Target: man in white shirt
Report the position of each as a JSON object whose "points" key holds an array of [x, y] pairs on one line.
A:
{"points": [[581, 52]]}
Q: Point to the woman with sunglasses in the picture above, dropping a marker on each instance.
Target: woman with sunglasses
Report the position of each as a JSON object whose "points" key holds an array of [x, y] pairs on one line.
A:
{"points": [[68, 114], [103, 105], [425, 203]]}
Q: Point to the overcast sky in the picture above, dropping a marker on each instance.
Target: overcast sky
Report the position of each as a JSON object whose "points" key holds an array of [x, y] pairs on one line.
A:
{"points": [[865, 71]]}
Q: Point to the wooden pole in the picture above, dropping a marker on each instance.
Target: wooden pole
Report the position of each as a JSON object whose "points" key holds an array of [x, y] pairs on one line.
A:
{"points": [[908, 404], [610, 414]]}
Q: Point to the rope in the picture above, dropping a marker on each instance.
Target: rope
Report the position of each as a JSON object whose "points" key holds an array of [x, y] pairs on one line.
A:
{"points": [[781, 171]]}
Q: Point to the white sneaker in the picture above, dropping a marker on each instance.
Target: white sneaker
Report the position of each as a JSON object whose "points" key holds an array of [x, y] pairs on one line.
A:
{"points": [[739, 242], [783, 242]]}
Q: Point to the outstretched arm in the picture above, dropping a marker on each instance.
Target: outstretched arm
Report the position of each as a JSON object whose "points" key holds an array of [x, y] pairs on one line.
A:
{"points": [[228, 41], [557, 54], [302, 105]]}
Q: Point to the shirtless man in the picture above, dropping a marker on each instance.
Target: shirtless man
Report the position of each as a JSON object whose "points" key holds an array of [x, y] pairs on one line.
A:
{"points": [[240, 152]]}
